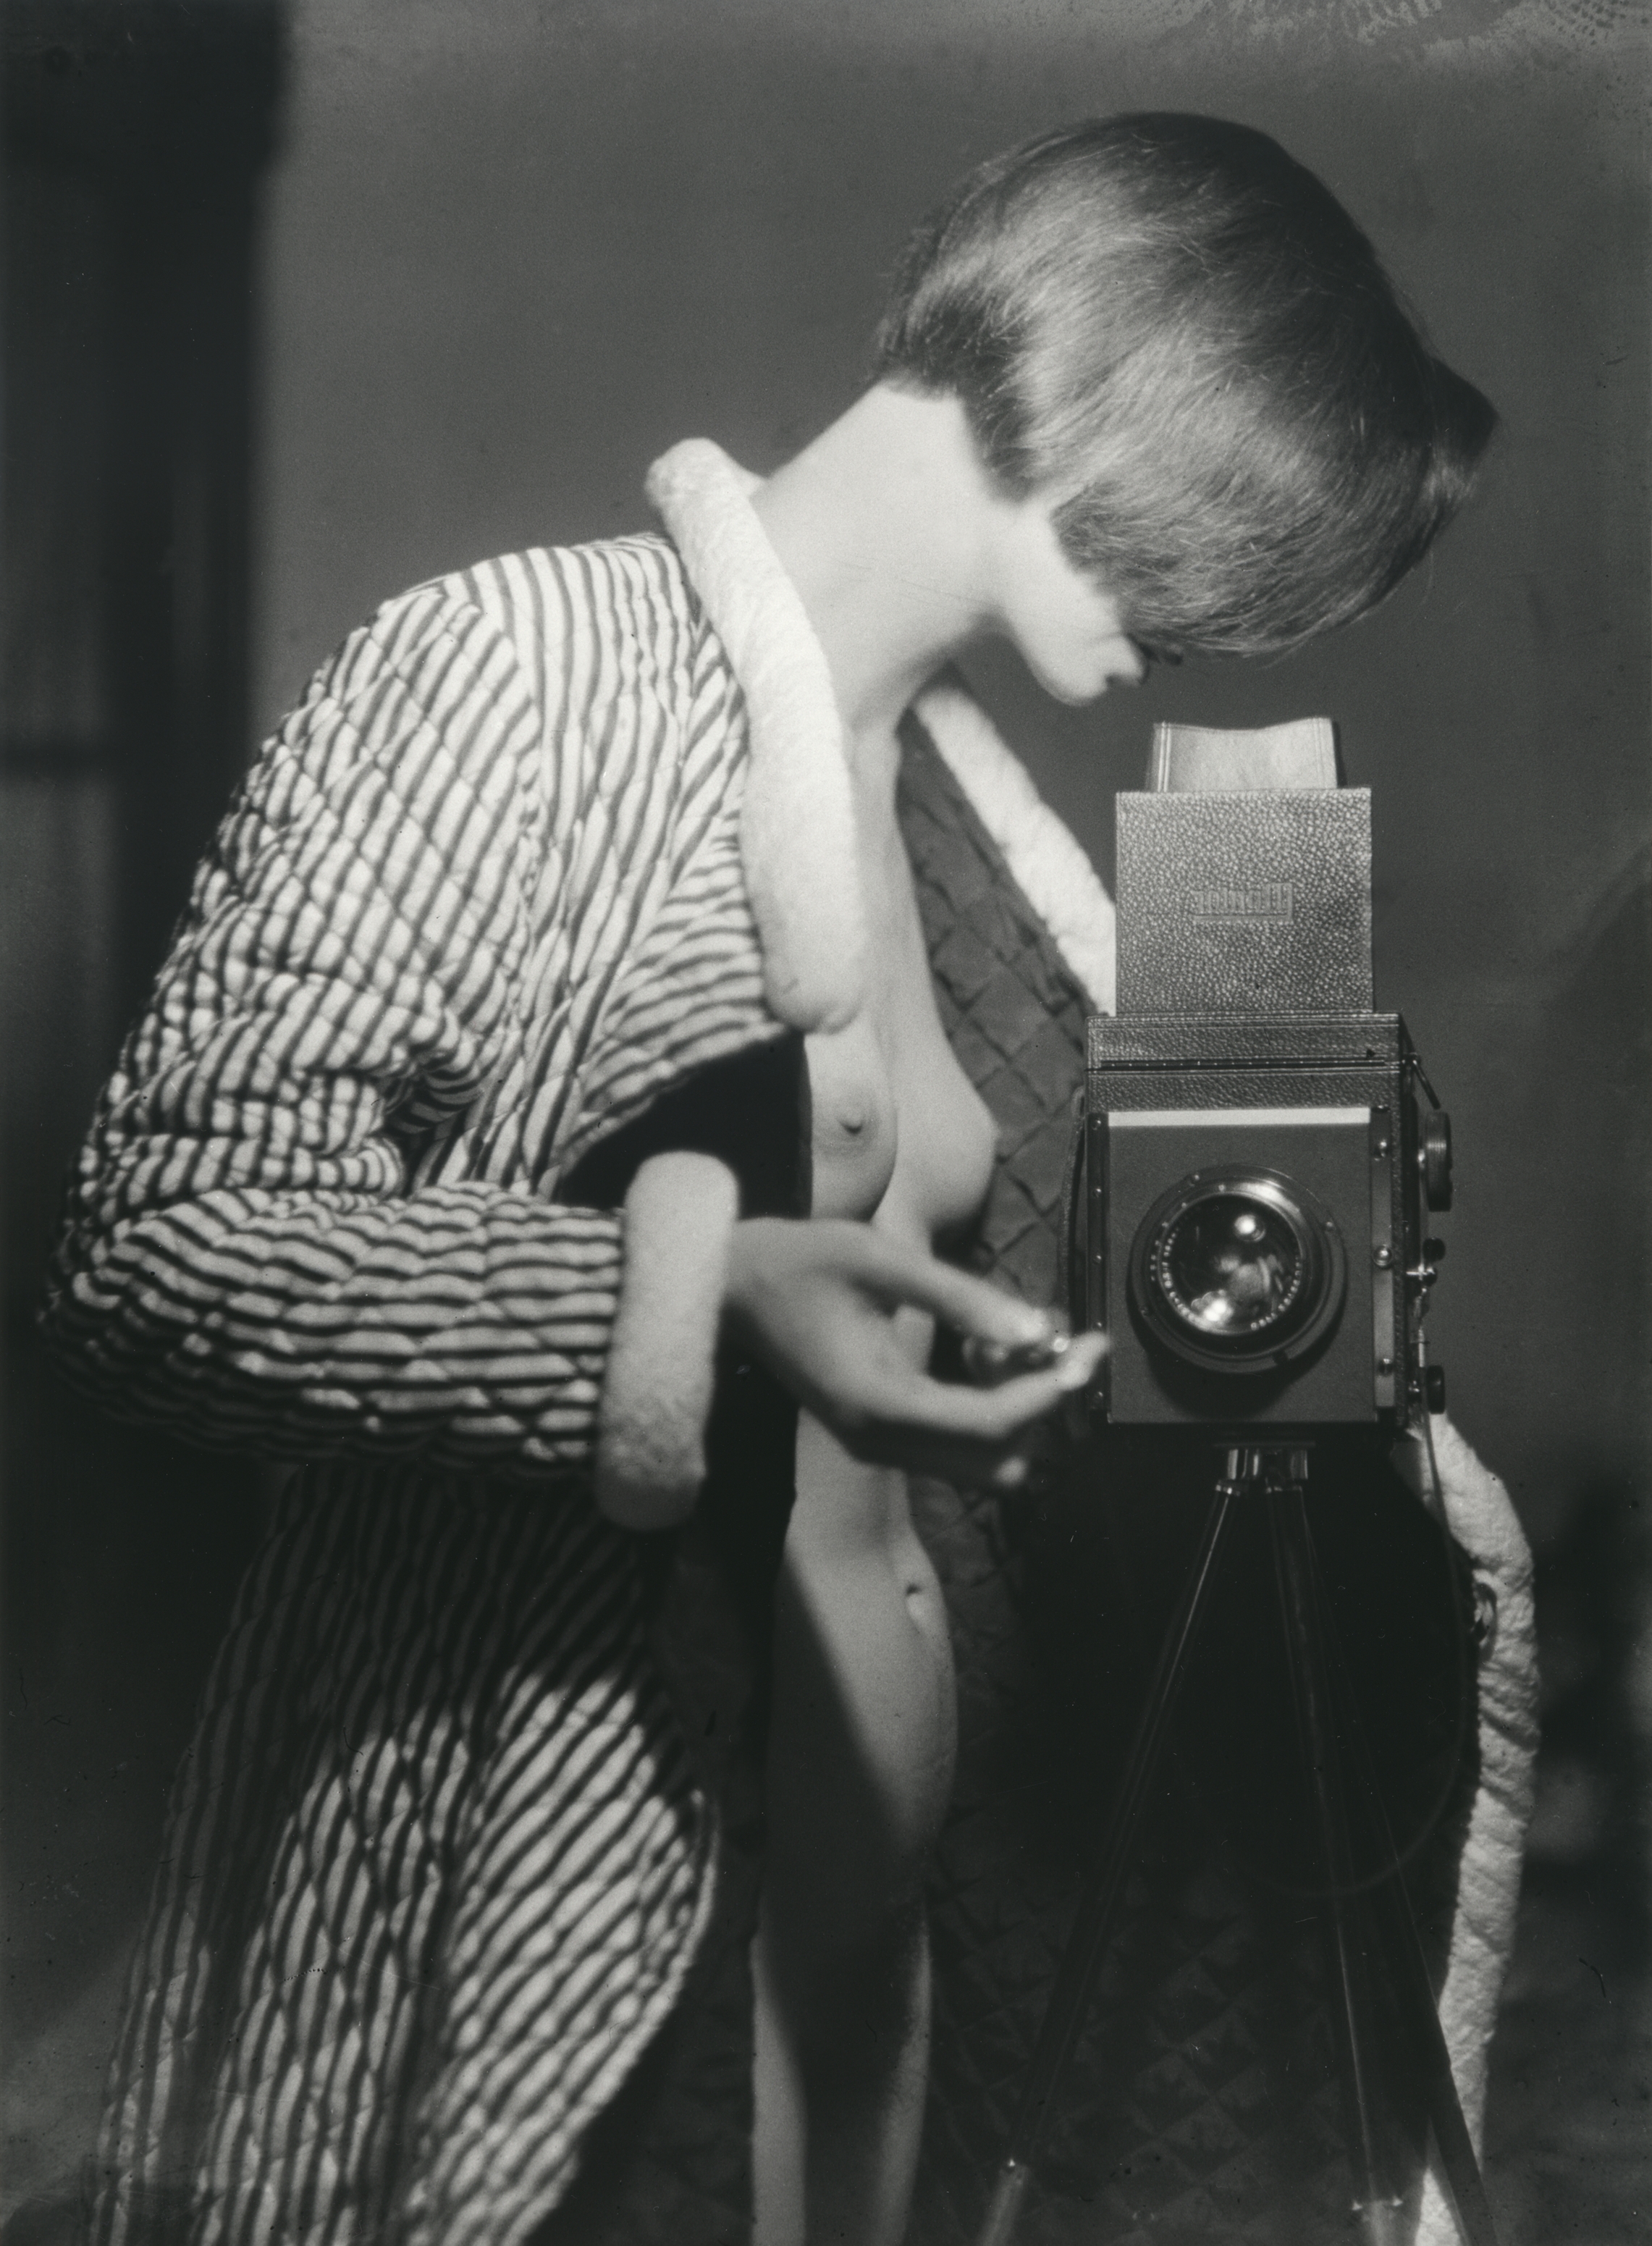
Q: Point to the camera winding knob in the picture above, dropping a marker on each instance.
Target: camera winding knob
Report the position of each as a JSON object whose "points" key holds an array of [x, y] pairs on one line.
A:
{"points": [[1434, 1158]]}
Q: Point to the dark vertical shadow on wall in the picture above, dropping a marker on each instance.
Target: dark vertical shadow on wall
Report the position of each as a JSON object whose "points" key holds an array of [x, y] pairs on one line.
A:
{"points": [[1568, 2120], [135, 134]]}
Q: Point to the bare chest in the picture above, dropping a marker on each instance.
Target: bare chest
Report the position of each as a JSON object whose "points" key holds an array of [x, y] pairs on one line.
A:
{"points": [[898, 1130]]}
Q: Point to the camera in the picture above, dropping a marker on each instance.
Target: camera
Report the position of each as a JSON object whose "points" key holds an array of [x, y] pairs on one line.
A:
{"points": [[1259, 1150]]}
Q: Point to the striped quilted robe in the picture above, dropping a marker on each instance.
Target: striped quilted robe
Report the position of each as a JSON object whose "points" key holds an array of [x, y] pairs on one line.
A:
{"points": [[545, 840]]}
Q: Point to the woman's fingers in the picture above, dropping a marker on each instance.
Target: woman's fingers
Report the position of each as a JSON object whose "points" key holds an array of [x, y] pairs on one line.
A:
{"points": [[937, 1408], [815, 1300], [892, 1275], [901, 1275]]}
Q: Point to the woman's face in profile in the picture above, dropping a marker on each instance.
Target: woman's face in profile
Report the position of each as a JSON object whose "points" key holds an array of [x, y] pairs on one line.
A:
{"points": [[1067, 629]]}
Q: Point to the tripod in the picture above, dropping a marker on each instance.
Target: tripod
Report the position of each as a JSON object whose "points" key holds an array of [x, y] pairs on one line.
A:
{"points": [[1276, 1472]]}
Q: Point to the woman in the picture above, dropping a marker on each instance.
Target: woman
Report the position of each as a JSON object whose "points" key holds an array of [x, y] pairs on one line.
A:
{"points": [[465, 1123]]}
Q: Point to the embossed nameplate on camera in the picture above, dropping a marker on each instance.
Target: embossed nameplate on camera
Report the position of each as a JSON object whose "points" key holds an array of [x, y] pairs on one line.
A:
{"points": [[1248, 900]]}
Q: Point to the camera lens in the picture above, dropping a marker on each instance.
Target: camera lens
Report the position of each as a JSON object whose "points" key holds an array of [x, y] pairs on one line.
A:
{"points": [[1238, 1270], [1230, 1265]]}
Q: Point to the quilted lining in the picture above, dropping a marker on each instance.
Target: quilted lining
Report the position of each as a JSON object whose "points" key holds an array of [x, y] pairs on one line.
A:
{"points": [[1202, 2102]]}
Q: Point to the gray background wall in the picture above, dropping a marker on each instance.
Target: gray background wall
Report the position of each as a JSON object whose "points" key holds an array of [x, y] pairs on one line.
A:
{"points": [[514, 249]]}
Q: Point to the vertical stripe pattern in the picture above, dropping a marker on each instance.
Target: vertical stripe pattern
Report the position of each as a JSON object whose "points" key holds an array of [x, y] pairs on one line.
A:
{"points": [[435, 1867], [468, 914]]}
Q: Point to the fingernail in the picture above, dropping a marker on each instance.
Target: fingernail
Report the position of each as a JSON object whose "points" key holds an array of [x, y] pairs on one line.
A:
{"points": [[1078, 1366]]}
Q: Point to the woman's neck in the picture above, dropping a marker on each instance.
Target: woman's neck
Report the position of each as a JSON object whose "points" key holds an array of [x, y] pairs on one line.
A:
{"points": [[883, 524]]}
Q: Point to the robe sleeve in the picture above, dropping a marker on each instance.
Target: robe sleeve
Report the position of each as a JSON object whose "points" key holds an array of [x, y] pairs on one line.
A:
{"points": [[249, 1258]]}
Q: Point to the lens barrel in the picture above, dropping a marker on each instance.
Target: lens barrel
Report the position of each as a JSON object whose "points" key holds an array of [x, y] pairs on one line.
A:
{"points": [[1238, 1269]]}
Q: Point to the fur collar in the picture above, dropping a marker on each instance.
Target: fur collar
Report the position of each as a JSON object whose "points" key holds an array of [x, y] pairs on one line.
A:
{"points": [[797, 834]]}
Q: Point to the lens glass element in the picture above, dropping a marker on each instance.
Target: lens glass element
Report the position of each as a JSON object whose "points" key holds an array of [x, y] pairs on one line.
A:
{"points": [[1230, 1265]]}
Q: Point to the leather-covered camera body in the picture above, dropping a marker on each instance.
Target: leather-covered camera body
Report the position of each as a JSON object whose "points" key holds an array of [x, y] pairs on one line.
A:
{"points": [[1260, 1149]]}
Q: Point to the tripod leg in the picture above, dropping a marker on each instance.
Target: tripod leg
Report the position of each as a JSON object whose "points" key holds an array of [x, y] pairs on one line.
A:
{"points": [[1081, 1960], [1377, 2202], [1454, 2148]]}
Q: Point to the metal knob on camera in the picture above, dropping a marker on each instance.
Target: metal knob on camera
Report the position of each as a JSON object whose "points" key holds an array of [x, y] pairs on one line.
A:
{"points": [[1434, 1158]]}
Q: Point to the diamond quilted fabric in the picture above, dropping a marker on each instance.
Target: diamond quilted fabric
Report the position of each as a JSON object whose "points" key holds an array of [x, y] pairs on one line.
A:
{"points": [[1202, 2102]]}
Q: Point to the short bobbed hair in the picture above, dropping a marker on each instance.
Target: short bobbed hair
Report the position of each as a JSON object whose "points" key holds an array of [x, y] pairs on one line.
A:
{"points": [[1170, 327]]}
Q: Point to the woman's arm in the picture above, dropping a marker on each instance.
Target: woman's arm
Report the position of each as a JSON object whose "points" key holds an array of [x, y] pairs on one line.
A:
{"points": [[251, 1257], [245, 1258]]}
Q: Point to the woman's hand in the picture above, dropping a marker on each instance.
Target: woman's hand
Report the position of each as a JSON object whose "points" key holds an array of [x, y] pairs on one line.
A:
{"points": [[815, 1301]]}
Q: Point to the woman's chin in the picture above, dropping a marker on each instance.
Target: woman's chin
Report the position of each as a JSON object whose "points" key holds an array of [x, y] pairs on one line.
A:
{"points": [[1073, 691]]}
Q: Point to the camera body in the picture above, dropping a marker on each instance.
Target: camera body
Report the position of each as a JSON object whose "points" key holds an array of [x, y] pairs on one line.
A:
{"points": [[1258, 1157]]}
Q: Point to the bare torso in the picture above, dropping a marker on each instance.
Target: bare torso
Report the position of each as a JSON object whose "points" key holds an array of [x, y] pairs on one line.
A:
{"points": [[864, 1726]]}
